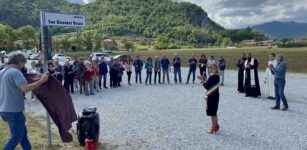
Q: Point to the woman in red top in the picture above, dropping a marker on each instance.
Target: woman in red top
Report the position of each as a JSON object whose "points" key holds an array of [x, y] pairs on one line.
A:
{"points": [[89, 82], [95, 75]]}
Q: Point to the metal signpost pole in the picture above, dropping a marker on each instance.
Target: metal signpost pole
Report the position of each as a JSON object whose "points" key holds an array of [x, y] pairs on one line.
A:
{"points": [[58, 20], [44, 51]]}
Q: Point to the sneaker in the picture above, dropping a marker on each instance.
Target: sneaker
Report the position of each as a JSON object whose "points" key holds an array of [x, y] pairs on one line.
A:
{"points": [[284, 109], [275, 108]]}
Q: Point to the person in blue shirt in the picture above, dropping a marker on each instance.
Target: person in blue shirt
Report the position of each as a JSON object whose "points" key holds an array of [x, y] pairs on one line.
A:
{"points": [[149, 68], [12, 105], [138, 66], [165, 68], [279, 73], [103, 71], [177, 68]]}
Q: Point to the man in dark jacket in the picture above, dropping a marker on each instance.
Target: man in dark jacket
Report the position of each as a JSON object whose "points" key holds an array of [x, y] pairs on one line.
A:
{"points": [[68, 76], [241, 68], [165, 64], [80, 73], [58, 71], [138, 66], [222, 66], [193, 64], [177, 68], [103, 71]]}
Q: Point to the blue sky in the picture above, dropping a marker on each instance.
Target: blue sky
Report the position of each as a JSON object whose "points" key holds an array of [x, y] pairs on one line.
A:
{"points": [[243, 13]]}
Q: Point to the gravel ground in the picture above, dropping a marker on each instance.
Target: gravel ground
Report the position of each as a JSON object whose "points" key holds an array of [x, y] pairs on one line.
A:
{"points": [[173, 117]]}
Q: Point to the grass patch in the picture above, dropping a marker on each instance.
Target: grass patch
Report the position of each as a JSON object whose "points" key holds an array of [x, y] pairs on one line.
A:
{"points": [[295, 57], [38, 136]]}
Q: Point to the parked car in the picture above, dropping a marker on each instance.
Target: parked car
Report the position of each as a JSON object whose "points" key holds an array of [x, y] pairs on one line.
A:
{"points": [[28, 54], [106, 56], [34, 56], [4, 54], [105, 50], [60, 57], [123, 57]]}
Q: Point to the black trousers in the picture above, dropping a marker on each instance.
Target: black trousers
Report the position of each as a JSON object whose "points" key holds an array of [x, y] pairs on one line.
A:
{"points": [[129, 77], [203, 71], [69, 83], [113, 78]]}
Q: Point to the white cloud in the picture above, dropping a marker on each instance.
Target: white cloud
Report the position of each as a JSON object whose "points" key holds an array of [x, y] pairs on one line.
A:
{"points": [[243, 13]]}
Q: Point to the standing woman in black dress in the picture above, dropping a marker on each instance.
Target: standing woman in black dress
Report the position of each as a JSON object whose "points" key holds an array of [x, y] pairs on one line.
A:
{"points": [[212, 95]]}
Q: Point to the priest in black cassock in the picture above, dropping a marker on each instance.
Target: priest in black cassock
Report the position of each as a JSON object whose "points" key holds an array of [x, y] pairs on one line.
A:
{"points": [[241, 68], [251, 79]]}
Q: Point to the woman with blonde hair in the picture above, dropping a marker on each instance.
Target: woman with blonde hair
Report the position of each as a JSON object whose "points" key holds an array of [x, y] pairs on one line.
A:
{"points": [[89, 82], [212, 95]]}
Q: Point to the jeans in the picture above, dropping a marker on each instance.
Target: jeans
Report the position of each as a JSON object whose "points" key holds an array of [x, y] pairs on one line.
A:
{"points": [[177, 70], [148, 76], [157, 73], [81, 82], [104, 76], [89, 87], [96, 82], [138, 74], [165, 72], [222, 72], [76, 84], [190, 72], [17, 125], [279, 92]]}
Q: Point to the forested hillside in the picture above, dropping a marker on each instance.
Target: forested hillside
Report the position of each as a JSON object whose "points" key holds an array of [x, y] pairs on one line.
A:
{"points": [[180, 23], [18, 13]]}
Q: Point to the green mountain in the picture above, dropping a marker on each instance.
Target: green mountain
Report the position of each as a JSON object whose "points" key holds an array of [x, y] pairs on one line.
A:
{"points": [[282, 29], [183, 23], [146, 17], [137, 16], [18, 13]]}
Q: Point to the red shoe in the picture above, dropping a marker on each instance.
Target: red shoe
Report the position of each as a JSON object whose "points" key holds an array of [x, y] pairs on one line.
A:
{"points": [[214, 130]]}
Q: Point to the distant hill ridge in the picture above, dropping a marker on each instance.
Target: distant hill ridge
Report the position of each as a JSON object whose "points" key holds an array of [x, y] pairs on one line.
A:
{"points": [[281, 30]]}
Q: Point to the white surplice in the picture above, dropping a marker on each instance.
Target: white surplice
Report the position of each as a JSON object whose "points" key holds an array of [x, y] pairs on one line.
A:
{"points": [[269, 80]]}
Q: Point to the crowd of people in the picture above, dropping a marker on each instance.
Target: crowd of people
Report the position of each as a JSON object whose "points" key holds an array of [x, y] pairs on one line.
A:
{"points": [[275, 78], [89, 76], [248, 83]]}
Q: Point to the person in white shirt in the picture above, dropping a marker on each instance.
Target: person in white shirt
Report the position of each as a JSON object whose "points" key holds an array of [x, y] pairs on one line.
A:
{"points": [[211, 61], [128, 67], [269, 78], [33, 70]]}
